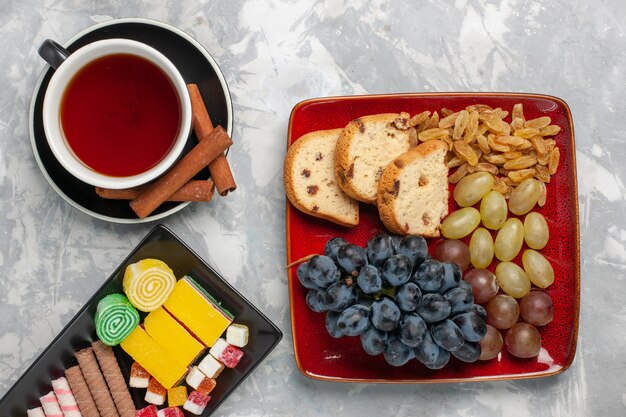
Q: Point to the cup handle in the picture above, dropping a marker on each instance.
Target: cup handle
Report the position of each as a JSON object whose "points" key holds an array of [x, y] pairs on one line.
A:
{"points": [[53, 53]]}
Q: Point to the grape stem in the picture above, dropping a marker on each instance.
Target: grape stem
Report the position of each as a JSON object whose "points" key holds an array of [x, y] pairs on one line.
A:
{"points": [[299, 261]]}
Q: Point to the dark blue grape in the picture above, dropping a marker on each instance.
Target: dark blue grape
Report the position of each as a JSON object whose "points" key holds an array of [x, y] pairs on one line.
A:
{"points": [[395, 242], [351, 258], [315, 301], [434, 308], [397, 353], [331, 324], [447, 335], [427, 351], [303, 277], [370, 280], [408, 296], [332, 246], [429, 275], [471, 325], [451, 277], [397, 270], [468, 352], [480, 310], [385, 314], [461, 300], [354, 320], [379, 249], [340, 295], [431, 354], [415, 247], [374, 341], [412, 329], [465, 285], [322, 271]]}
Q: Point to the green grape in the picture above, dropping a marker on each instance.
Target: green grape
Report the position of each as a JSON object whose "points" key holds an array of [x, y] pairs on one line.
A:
{"points": [[460, 223], [536, 232], [493, 210], [524, 196], [512, 279], [509, 239], [481, 248], [472, 188], [538, 269]]}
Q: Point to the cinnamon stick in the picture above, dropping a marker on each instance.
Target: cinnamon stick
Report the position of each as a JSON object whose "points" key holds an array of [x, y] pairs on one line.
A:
{"points": [[194, 190], [184, 170], [220, 170]]}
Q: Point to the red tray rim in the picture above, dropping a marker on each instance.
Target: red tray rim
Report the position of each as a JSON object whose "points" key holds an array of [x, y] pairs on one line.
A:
{"points": [[507, 377]]}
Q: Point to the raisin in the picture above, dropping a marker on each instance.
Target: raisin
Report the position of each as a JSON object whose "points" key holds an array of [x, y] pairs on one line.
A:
{"points": [[351, 171]]}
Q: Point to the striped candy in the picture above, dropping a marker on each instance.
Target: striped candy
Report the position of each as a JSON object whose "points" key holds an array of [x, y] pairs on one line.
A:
{"points": [[51, 405], [115, 319], [35, 412], [65, 397], [148, 283]]}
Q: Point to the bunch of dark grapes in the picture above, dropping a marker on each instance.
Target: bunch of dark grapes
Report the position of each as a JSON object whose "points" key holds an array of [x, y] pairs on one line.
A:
{"points": [[397, 299]]}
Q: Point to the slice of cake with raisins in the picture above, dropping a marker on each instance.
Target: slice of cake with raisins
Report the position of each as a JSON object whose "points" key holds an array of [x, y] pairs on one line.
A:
{"points": [[366, 146], [310, 180], [413, 190]]}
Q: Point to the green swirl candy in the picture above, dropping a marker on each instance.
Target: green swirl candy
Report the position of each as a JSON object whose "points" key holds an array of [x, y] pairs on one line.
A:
{"points": [[115, 319]]}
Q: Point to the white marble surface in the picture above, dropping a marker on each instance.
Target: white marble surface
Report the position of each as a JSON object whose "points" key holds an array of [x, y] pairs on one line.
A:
{"points": [[273, 54]]}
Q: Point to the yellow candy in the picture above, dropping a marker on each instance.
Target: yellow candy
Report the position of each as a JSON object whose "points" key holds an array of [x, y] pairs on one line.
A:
{"points": [[198, 311], [153, 357], [174, 338], [177, 396], [148, 283]]}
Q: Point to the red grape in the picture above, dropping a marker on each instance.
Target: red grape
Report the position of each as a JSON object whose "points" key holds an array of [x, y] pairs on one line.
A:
{"points": [[484, 284], [537, 308], [491, 344], [502, 311], [523, 340], [453, 251]]}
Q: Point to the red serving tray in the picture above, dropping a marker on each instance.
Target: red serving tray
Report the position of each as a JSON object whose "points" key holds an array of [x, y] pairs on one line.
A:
{"points": [[320, 356]]}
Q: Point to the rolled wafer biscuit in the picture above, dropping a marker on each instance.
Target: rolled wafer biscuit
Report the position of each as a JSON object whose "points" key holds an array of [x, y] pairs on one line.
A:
{"points": [[50, 405], [66, 398], [35, 412], [114, 378], [81, 392], [95, 382]]}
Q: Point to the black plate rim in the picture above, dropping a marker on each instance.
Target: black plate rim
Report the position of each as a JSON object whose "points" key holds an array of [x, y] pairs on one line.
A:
{"points": [[156, 229], [31, 124]]}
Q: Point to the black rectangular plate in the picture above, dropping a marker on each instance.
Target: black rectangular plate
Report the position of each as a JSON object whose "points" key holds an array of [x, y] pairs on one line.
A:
{"points": [[162, 244]]}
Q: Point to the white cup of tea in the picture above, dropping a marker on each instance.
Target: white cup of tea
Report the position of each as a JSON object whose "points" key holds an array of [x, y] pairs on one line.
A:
{"points": [[116, 113]]}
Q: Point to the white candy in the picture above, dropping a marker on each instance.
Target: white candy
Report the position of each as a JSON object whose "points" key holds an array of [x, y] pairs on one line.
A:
{"points": [[36, 412], [154, 398], [195, 377], [136, 382], [237, 335], [210, 366], [193, 408], [218, 348]]}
